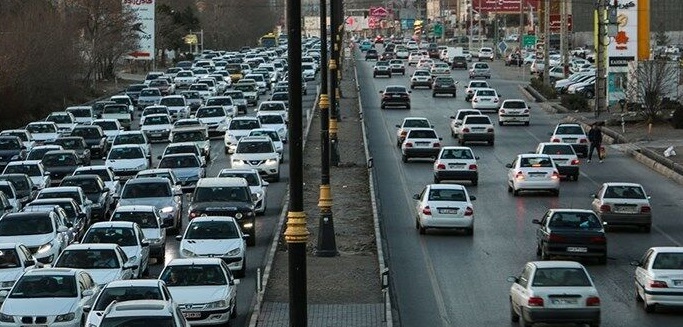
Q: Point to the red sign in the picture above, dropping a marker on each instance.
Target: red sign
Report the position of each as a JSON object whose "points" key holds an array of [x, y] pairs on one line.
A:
{"points": [[503, 6], [372, 22], [555, 23], [137, 54], [380, 12]]}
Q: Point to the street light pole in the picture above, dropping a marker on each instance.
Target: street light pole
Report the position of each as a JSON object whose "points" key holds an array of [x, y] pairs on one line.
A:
{"points": [[296, 233], [335, 8]]}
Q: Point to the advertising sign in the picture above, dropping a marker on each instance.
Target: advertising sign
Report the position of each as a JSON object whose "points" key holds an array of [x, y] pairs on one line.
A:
{"points": [[502, 6], [556, 23], [144, 27], [625, 43]]}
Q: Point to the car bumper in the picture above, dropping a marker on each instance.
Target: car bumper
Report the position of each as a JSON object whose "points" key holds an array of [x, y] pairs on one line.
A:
{"points": [[569, 250], [477, 137], [207, 317], [583, 315], [568, 170], [382, 72], [456, 175], [421, 153], [466, 222], [581, 148], [398, 70], [444, 91], [669, 297], [485, 105], [513, 118], [396, 103], [537, 185], [622, 219], [421, 83]]}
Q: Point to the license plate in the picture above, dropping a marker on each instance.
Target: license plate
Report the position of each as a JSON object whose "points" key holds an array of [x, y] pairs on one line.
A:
{"points": [[456, 165], [448, 211], [422, 143], [678, 282], [536, 175], [564, 301], [192, 314], [577, 249], [570, 140], [156, 134], [396, 96], [624, 209]]}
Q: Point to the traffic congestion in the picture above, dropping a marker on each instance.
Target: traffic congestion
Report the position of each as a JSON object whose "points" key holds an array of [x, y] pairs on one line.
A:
{"points": [[448, 141], [149, 200]]}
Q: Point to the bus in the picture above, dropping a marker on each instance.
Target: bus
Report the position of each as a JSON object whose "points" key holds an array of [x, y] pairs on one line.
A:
{"points": [[268, 41]]}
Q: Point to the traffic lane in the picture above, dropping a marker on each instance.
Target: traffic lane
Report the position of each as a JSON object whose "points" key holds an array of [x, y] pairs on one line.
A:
{"points": [[524, 207]]}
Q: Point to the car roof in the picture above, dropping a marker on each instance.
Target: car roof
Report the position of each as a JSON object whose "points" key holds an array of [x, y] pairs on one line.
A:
{"points": [[221, 181], [50, 200], [554, 143], [55, 189], [148, 180], [53, 271], [194, 261], [622, 184], [112, 224], [92, 246], [8, 245], [134, 282], [239, 170], [557, 264], [212, 218], [137, 308], [656, 249], [572, 210], [447, 187], [135, 208], [532, 155]]}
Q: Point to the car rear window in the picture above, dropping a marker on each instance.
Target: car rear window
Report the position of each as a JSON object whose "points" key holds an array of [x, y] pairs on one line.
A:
{"points": [[486, 93], [668, 261], [457, 154], [624, 192], [528, 162], [462, 114], [416, 123], [515, 105], [479, 84], [482, 120], [575, 220], [569, 130], [447, 195], [554, 277], [421, 134], [558, 149]]}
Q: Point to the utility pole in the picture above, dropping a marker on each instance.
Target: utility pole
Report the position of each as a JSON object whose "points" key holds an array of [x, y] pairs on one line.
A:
{"points": [[601, 78], [296, 233], [546, 39], [522, 26], [564, 37], [471, 7], [335, 8]]}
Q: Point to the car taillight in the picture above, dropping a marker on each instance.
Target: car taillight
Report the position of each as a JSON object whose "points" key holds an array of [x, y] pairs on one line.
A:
{"points": [[583, 141], [598, 240], [555, 175], [436, 145], [658, 284], [575, 162], [473, 167], [556, 238], [408, 145], [469, 211], [495, 100], [593, 301], [519, 175], [501, 111], [555, 140], [193, 215], [427, 211], [645, 209], [440, 166], [465, 130], [605, 208], [535, 301], [475, 100], [526, 111]]}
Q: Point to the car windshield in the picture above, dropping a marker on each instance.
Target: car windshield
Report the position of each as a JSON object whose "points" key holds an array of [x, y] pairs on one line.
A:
{"points": [[457, 154], [67, 206], [462, 114], [115, 109], [179, 162], [416, 123], [219, 102], [235, 95], [270, 133], [557, 277], [88, 259], [515, 105], [625, 192], [446, 195], [191, 95], [9, 259], [60, 119], [672, 260], [270, 106], [137, 138], [172, 102], [107, 125], [156, 83], [252, 179], [486, 93], [558, 149], [123, 100], [478, 84], [154, 110], [157, 120], [280, 96], [194, 275], [199, 87], [212, 230], [185, 73], [44, 286], [123, 236], [20, 183], [61, 194], [192, 136], [71, 143], [242, 124], [21, 134], [422, 73], [210, 112], [445, 81], [59, 159], [103, 173], [88, 185], [41, 128], [146, 93], [9, 144], [135, 88], [146, 190], [119, 294], [254, 147], [574, 220], [527, 162], [87, 132], [479, 120], [181, 149], [144, 219], [222, 194], [125, 153], [271, 119], [26, 226], [28, 169], [245, 87], [421, 134], [569, 130]]}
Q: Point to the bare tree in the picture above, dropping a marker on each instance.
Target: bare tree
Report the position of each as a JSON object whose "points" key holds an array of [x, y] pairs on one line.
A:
{"points": [[652, 83], [236, 23]]}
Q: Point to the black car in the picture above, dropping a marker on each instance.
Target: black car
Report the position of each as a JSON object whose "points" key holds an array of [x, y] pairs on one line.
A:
{"points": [[11, 149], [395, 95], [386, 55], [133, 91], [371, 54], [94, 138], [95, 191], [26, 190], [381, 69], [459, 62], [60, 163], [587, 91], [443, 85], [78, 144], [571, 233], [514, 59], [433, 51]]}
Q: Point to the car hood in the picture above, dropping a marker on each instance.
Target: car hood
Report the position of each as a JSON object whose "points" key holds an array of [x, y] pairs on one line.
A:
{"points": [[94, 197], [159, 202], [62, 170], [9, 153], [209, 247], [10, 274], [150, 233], [160, 127], [104, 276], [44, 136], [185, 173], [253, 156], [126, 163], [210, 120], [48, 306], [28, 240], [132, 251], [198, 294]]}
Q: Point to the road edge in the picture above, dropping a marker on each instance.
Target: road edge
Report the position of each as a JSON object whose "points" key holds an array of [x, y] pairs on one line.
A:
{"points": [[257, 303], [388, 314]]}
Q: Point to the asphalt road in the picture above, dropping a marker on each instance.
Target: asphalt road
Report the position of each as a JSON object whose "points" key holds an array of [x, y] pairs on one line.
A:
{"points": [[265, 224], [449, 279]]}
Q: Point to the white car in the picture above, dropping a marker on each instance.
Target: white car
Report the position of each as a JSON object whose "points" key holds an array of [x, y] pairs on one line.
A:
{"points": [[564, 157], [402, 52], [485, 53], [224, 101], [148, 219], [7, 187], [472, 87], [135, 138], [177, 105], [533, 172], [425, 63], [261, 82], [623, 204], [562, 85], [65, 121], [408, 124], [257, 185], [118, 112], [126, 160], [420, 143], [16, 258], [26, 138], [105, 173], [421, 77], [203, 89], [33, 168], [456, 163], [49, 297], [571, 89], [83, 114], [546, 291], [215, 237], [215, 118], [110, 127], [128, 236], [43, 132], [143, 312], [573, 134], [476, 128], [274, 136], [485, 99], [127, 290], [157, 127], [274, 121], [42, 232], [104, 262], [209, 299], [514, 111], [444, 206], [257, 152], [456, 120], [124, 99], [278, 107], [184, 79], [237, 128], [659, 278], [414, 58]]}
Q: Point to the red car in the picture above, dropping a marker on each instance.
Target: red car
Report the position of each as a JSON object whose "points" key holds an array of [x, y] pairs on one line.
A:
{"points": [[379, 39]]}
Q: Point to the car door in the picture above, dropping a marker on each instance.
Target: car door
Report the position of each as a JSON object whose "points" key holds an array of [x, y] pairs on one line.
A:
{"points": [[420, 201], [62, 238], [542, 231], [518, 291], [69, 234], [27, 259], [597, 199], [511, 171], [144, 252], [642, 271], [87, 285], [127, 273]]}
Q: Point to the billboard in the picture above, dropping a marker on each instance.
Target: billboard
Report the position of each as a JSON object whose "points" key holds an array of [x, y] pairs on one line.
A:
{"points": [[503, 6], [625, 43], [143, 26]]}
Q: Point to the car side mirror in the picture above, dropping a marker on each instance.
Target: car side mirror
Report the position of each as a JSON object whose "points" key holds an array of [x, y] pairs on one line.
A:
{"points": [[178, 237], [416, 196], [472, 197], [69, 225], [144, 243], [158, 157], [34, 188], [87, 293], [512, 279], [106, 189], [47, 173], [409, 91], [398, 126], [441, 139], [178, 192], [508, 165], [246, 236], [88, 202], [264, 183], [477, 158], [131, 267], [536, 222], [636, 264], [594, 196]]}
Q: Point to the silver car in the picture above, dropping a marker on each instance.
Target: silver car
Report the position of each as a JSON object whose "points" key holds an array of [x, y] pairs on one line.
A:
{"points": [[157, 192], [188, 167]]}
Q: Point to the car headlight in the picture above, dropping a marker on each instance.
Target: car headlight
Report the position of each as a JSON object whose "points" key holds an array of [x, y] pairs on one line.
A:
{"points": [[7, 284], [234, 252], [236, 162], [248, 225], [133, 258], [259, 195], [281, 131], [272, 161], [44, 248], [154, 240], [65, 317], [141, 166], [166, 210], [6, 318], [238, 215], [217, 304], [187, 253]]}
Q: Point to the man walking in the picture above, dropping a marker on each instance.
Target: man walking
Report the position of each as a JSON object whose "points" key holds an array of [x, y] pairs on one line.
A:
{"points": [[595, 137]]}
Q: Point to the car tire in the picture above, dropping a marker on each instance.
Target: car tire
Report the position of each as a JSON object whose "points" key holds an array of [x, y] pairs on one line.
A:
{"points": [[647, 228], [469, 231], [422, 230], [412, 87], [461, 141], [491, 142], [538, 251], [226, 150], [510, 189], [515, 192], [433, 95], [576, 177], [404, 158], [649, 308], [526, 123], [251, 241], [277, 177], [500, 123], [602, 260], [556, 193], [408, 107], [382, 106], [523, 322], [475, 182], [514, 317], [436, 180]]}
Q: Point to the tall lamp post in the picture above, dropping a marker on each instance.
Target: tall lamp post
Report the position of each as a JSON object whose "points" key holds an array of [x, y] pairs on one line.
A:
{"points": [[296, 233], [335, 9]]}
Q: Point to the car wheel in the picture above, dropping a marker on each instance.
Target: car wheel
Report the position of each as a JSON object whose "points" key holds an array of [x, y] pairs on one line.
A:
{"points": [[454, 95], [404, 158], [538, 250], [576, 177], [408, 107], [436, 180], [417, 223], [638, 298], [649, 308], [556, 192], [602, 260], [412, 87], [526, 123], [647, 228], [510, 188], [433, 95], [500, 123], [469, 231], [277, 177], [523, 322], [491, 142], [226, 150], [382, 106], [475, 182], [515, 192], [514, 317], [242, 272], [461, 141], [544, 254]]}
